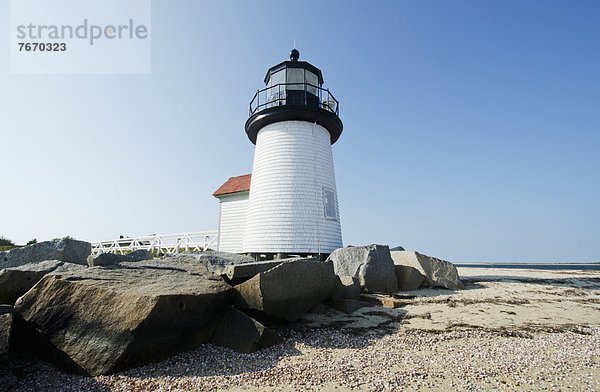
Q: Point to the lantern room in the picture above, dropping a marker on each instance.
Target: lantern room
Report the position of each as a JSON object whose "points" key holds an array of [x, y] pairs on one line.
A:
{"points": [[294, 91]]}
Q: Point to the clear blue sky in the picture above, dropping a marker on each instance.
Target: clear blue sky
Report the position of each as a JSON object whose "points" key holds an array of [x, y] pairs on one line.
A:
{"points": [[471, 128]]}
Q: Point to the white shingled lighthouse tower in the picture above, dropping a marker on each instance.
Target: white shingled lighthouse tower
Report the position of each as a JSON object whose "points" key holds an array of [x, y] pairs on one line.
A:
{"points": [[293, 206]]}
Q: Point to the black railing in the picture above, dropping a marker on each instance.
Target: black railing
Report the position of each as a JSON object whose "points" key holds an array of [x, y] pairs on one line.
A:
{"points": [[298, 94]]}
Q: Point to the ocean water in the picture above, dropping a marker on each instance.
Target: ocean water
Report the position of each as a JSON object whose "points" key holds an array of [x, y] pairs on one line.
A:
{"points": [[542, 266]]}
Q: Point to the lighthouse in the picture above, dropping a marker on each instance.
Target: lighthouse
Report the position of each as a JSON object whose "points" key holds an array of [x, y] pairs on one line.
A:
{"points": [[292, 206]]}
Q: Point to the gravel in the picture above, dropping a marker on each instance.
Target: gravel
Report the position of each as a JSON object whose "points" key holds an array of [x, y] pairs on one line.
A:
{"points": [[374, 360]]}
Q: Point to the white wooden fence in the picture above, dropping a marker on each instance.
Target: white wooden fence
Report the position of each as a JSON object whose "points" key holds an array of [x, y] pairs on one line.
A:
{"points": [[159, 244]]}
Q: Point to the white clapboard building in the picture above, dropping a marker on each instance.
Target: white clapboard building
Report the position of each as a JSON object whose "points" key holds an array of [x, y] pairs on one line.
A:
{"points": [[233, 208], [289, 205]]}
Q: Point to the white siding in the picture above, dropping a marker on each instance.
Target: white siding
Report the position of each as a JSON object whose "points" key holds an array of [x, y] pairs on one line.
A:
{"points": [[293, 165], [232, 222]]}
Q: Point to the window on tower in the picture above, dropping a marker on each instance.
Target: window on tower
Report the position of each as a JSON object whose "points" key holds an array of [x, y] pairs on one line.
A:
{"points": [[329, 203]]}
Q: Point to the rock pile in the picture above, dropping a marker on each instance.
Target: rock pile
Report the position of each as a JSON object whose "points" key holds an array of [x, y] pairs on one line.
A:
{"points": [[124, 311], [380, 271]]}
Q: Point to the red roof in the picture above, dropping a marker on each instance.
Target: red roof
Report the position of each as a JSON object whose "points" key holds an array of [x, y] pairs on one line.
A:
{"points": [[234, 185]]}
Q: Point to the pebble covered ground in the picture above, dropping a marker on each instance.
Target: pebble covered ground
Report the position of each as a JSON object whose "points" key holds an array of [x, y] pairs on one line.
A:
{"points": [[375, 360], [499, 334]]}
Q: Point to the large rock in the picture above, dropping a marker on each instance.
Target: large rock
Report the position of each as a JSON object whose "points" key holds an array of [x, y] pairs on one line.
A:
{"points": [[242, 333], [106, 259], [14, 282], [6, 323], [436, 272], [409, 277], [66, 249], [372, 265], [242, 272], [288, 290], [102, 320], [215, 261]]}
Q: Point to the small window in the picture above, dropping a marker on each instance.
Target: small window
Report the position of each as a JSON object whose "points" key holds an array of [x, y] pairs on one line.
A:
{"points": [[329, 203]]}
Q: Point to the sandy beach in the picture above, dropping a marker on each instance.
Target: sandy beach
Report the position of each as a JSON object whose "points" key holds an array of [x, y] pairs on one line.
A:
{"points": [[508, 330]]}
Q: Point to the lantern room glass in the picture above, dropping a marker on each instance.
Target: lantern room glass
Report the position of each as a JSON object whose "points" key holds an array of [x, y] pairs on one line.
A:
{"points": [[312, 82], [294, 85], [295, 79], [276, 91]]}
